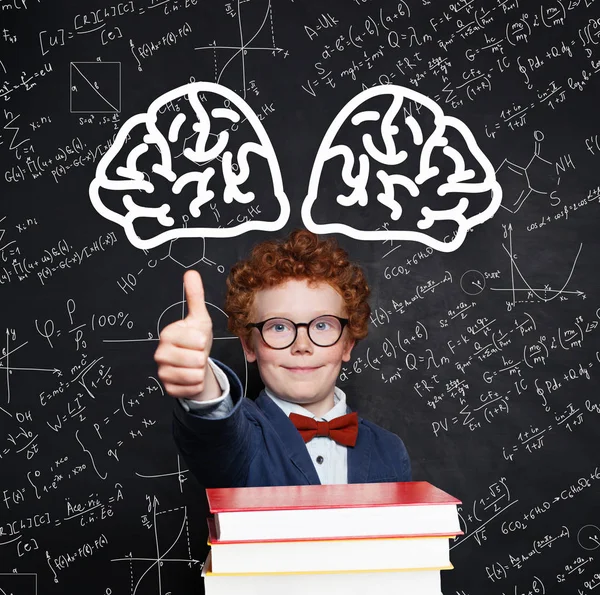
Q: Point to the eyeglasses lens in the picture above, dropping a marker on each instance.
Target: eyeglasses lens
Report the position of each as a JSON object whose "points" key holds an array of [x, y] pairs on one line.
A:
{"points": [[323, 331]]}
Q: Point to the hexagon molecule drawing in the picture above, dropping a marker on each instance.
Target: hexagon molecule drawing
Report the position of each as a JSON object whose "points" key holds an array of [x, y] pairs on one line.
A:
{"points": [[391, 124], [141, 186]]}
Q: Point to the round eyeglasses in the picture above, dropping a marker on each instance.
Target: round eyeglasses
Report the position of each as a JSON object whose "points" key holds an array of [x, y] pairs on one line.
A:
{"points": [[279, 333]]}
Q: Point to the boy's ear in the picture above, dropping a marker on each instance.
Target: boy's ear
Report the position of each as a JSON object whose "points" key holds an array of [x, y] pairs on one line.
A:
{"points": [[248, 349], [349, 345]]}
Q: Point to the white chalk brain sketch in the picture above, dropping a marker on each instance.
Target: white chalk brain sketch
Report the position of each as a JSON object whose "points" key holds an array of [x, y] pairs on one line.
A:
{"points": [[393, 166], [189, 167]]}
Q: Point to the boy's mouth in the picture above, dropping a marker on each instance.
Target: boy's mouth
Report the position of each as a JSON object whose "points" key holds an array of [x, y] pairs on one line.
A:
{"points": [[301, 370]]}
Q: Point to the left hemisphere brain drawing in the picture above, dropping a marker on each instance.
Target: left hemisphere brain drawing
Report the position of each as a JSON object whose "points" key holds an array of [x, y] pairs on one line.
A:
{"points": [[197, 163]]}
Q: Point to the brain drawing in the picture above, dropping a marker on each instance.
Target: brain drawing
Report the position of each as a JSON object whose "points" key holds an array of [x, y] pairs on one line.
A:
{"points": [[417, 173], [187, 167]]}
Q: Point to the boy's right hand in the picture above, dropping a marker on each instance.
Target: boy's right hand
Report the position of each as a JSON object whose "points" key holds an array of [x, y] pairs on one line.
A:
{"points": [[184, 347]]}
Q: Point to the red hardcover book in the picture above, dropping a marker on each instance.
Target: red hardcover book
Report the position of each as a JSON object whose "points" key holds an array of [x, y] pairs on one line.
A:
{"points": [[414, 508]]}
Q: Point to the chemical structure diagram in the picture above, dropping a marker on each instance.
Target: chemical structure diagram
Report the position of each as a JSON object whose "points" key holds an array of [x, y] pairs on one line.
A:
{"points": [[177, 257], [537, 177], [178, 254]]}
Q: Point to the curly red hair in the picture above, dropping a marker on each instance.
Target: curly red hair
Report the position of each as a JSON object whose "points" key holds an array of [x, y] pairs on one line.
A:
{"points": [[300, 256]]}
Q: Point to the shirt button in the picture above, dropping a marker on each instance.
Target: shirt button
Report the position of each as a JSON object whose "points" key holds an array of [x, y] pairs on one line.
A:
{"points": [[320, 459]]}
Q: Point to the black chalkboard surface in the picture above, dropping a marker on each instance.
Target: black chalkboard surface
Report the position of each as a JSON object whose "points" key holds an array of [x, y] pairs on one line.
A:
{"points": [[483, 350]]}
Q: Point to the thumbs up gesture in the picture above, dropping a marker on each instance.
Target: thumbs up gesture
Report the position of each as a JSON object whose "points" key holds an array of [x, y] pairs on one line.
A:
{"points": [[184, 347]]}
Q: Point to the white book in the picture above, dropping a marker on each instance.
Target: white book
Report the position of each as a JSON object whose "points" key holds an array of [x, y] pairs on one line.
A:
{"points": [[328, 554], [332, 511], [340, 522], [382, 582]]}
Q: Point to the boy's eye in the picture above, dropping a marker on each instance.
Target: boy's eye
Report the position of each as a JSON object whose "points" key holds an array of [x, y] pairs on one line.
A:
{"points": [[278, 326], [326, 324]]}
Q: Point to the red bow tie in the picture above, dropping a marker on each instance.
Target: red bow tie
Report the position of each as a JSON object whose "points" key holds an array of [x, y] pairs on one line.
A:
{"points": [[343, 429]]}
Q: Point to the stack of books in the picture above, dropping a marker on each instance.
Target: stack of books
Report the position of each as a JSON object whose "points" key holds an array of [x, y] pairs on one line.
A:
{"points": [[340, 538]]}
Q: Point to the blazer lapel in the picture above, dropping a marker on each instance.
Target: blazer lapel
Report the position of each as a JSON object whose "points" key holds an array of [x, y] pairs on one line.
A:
{"points": [[359, 457], [290, 437]]}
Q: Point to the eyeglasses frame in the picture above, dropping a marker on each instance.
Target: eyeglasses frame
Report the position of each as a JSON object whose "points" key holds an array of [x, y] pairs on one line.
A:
{"points": [[259, 326]]}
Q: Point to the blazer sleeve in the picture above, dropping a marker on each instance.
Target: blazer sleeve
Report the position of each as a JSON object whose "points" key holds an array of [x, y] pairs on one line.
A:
{"points": [[218, 451]]}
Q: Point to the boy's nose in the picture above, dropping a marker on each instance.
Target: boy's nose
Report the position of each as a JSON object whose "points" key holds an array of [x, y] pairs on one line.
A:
{"points": [[302, 341]]}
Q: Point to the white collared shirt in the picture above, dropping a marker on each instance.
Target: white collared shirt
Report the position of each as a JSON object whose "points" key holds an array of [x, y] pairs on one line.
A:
{"points": [[329, 458]]}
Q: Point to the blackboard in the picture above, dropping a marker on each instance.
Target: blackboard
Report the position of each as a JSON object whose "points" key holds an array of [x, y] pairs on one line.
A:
{"points": [[483, 350]]}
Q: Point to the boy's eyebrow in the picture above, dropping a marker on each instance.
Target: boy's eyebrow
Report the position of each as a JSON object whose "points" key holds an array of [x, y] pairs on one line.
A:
{"points": [[294, 318]]}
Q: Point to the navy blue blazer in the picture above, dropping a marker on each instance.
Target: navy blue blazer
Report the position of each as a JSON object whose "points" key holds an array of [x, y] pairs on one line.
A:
{"points": [[258, 445]]}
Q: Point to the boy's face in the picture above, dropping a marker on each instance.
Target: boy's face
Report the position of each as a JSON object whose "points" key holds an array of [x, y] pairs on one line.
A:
{"points": [[302, 373]]}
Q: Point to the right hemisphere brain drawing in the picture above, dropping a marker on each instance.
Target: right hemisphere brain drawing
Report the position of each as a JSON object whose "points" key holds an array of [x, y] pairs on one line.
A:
{"points": [[393, 166], [189, 167]]}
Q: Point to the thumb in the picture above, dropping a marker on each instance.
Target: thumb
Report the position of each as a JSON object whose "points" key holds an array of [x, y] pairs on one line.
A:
{"points": [[194, 295]]}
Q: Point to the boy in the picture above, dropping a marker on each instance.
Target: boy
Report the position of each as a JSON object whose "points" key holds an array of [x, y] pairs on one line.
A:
{"points": [[298, 307]]}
